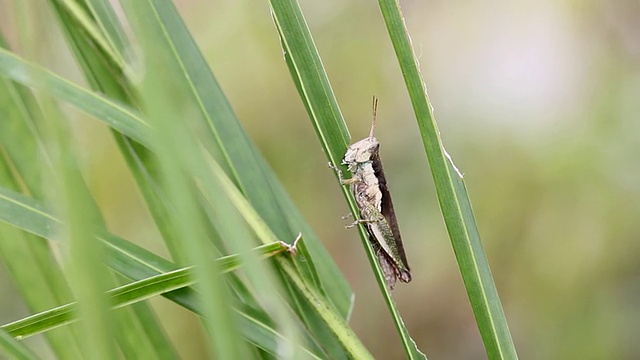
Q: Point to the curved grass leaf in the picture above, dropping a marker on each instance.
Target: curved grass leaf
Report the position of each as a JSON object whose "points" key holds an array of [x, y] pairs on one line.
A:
{"points": [[118, 116], [453, 198], [310, 78], [121, 296]]}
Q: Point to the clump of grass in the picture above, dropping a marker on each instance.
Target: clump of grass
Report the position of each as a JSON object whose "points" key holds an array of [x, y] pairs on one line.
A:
{"points": [[209, 191]]}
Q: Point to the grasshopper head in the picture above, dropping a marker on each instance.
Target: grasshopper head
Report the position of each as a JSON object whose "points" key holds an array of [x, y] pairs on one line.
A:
{"points": [[361, 151]]}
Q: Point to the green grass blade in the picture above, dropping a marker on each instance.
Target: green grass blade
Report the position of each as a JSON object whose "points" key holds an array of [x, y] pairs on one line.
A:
{"points": [[453, 198], [119, 297], [311, 80], [35, 273], [214, 296], [85, 270], [130, 294], [85, 22], [337, 326], [140, 335], [115, 114], [107, 20], [122, 296]]}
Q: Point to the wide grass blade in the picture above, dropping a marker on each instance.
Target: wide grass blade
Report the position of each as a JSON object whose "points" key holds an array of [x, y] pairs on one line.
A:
{"points": [[453, 198]]}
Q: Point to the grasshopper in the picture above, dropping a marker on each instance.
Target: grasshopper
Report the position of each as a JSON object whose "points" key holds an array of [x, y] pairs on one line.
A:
{"points": [[369, 187]]}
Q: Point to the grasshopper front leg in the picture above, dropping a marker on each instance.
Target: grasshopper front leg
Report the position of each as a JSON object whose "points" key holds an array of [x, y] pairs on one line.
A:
{"points": [[360, 221], [342, 180]]}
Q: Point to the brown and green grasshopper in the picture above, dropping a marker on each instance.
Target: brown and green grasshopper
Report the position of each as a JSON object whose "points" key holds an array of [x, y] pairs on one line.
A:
{"points": [[369, 187]]}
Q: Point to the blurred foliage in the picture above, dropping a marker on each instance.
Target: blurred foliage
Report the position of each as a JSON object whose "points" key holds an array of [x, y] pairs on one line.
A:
{"points": [[537, 102]]}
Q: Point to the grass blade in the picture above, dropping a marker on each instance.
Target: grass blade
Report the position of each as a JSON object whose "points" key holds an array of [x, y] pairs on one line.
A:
{"points": [[307, 71], [310, 78], [453, 198], [118, 116], [128, 294]]}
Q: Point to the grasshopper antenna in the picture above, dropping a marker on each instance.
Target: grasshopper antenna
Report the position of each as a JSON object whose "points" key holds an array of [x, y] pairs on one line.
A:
{"points": [[375, 110]]}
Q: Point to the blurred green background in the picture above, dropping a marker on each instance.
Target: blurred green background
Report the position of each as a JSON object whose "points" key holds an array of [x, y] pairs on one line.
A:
{"points": [[537, 103]]}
